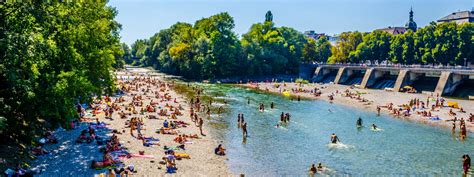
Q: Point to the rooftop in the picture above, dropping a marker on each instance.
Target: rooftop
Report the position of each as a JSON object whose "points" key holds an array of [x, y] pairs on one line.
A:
{"points": [[457, 16], [394, 30]]}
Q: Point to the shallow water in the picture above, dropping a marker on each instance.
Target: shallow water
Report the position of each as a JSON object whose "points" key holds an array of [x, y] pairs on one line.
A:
{"points": [[402, 148]]}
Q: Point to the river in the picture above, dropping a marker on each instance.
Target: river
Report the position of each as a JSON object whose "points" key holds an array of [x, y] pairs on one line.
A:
{"points": [[401, 148]]}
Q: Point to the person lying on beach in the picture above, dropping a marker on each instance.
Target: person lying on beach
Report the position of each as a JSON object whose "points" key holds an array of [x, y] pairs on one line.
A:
{"points": [[180, 139], [149, 142], [168, 131], [219, 150], [39, 150], [195, 136], [83, 138], [50, 137], [106, 161], [451, 113]]}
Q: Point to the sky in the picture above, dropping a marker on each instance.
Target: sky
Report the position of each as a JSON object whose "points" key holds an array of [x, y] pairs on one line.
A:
{"points": [[141, 19]]}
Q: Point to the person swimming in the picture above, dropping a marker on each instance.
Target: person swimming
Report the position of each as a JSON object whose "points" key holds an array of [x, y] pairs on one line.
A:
{"points": [[359, 122], [334, 138], [320, 167], [313, 169]]}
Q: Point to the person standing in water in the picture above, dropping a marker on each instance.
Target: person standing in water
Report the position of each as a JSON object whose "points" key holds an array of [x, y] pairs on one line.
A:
{"points": [[272, 105], [238, 120], [378, 110], [201, 123], [334, 138], [244, 129], [312, 169], [248, 100], [359, 122], [262, 107], [466, 163]]}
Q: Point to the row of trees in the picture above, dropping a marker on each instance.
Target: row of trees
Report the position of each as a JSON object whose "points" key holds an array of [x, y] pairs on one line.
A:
{"points": [[446, 43], [210, 49], [53, 55]]}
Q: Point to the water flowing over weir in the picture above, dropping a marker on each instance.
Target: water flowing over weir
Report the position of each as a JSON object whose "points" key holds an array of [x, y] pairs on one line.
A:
{"points": [[402, 148]]}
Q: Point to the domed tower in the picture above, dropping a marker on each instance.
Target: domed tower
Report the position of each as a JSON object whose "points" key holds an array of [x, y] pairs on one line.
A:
{"points": [[411, 24]]}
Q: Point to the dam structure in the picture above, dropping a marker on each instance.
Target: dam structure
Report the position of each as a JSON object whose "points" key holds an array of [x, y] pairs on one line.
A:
{"points": [[443, 81]]}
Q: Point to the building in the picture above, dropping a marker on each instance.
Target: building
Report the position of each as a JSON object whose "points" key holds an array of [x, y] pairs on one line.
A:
{"points": [[410, 25], [459, 17], [313, 35], [394, 30]]}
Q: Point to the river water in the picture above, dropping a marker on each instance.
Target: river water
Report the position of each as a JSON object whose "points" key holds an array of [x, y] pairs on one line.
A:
{"points": [[402, 148]]}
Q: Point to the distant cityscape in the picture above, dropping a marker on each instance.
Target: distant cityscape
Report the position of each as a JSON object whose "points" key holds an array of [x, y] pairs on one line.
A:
{"points": [[459, 17]]}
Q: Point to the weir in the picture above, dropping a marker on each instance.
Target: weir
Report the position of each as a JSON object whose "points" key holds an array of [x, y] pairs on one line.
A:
{"points": [[349, 76], [442, 81], [325, 74]]}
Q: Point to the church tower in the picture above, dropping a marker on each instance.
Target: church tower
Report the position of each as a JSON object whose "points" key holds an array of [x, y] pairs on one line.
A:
{"points": [[411, 24]]}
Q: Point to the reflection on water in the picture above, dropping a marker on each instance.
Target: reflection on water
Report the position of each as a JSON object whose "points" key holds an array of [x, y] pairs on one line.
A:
{"points": [[402, 147]]}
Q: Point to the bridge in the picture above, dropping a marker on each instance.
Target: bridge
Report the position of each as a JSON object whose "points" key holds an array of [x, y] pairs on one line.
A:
{"points": [[444, 80]]}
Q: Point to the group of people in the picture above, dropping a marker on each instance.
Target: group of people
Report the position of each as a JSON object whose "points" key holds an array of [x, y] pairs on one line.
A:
{"points": [[242, 124]]}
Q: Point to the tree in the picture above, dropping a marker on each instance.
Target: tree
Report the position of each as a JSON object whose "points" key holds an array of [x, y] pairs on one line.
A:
{"points": [[309, 51], [54, 55], [375, 47], [127, 53], [466, 43], [347, 43], [323, 49]]}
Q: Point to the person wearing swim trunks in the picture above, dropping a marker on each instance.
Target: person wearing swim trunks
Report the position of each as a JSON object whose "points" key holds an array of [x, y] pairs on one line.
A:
{"points": [[334, 138]]}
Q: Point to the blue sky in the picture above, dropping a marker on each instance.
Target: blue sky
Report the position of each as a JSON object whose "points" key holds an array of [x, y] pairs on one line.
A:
{"points": [[142, 18]]}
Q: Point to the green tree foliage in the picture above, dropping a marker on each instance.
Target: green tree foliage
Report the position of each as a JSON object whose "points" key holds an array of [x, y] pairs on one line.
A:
{"points": [[347, 43], [374, 47], [272, 50], [210, 49], [127, 54], [309, 51], [52, 56], [323, 49], [446, 44]]}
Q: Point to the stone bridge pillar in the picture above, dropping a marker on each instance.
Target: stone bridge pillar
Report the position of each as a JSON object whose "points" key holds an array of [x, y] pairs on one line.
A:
{"points": [[340, 74], [367, 76], [442, 82], [401, 80]]}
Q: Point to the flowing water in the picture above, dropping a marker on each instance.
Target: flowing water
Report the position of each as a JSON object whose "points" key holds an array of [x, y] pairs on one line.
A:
{"points": [[385, 83], [402, 148]]}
